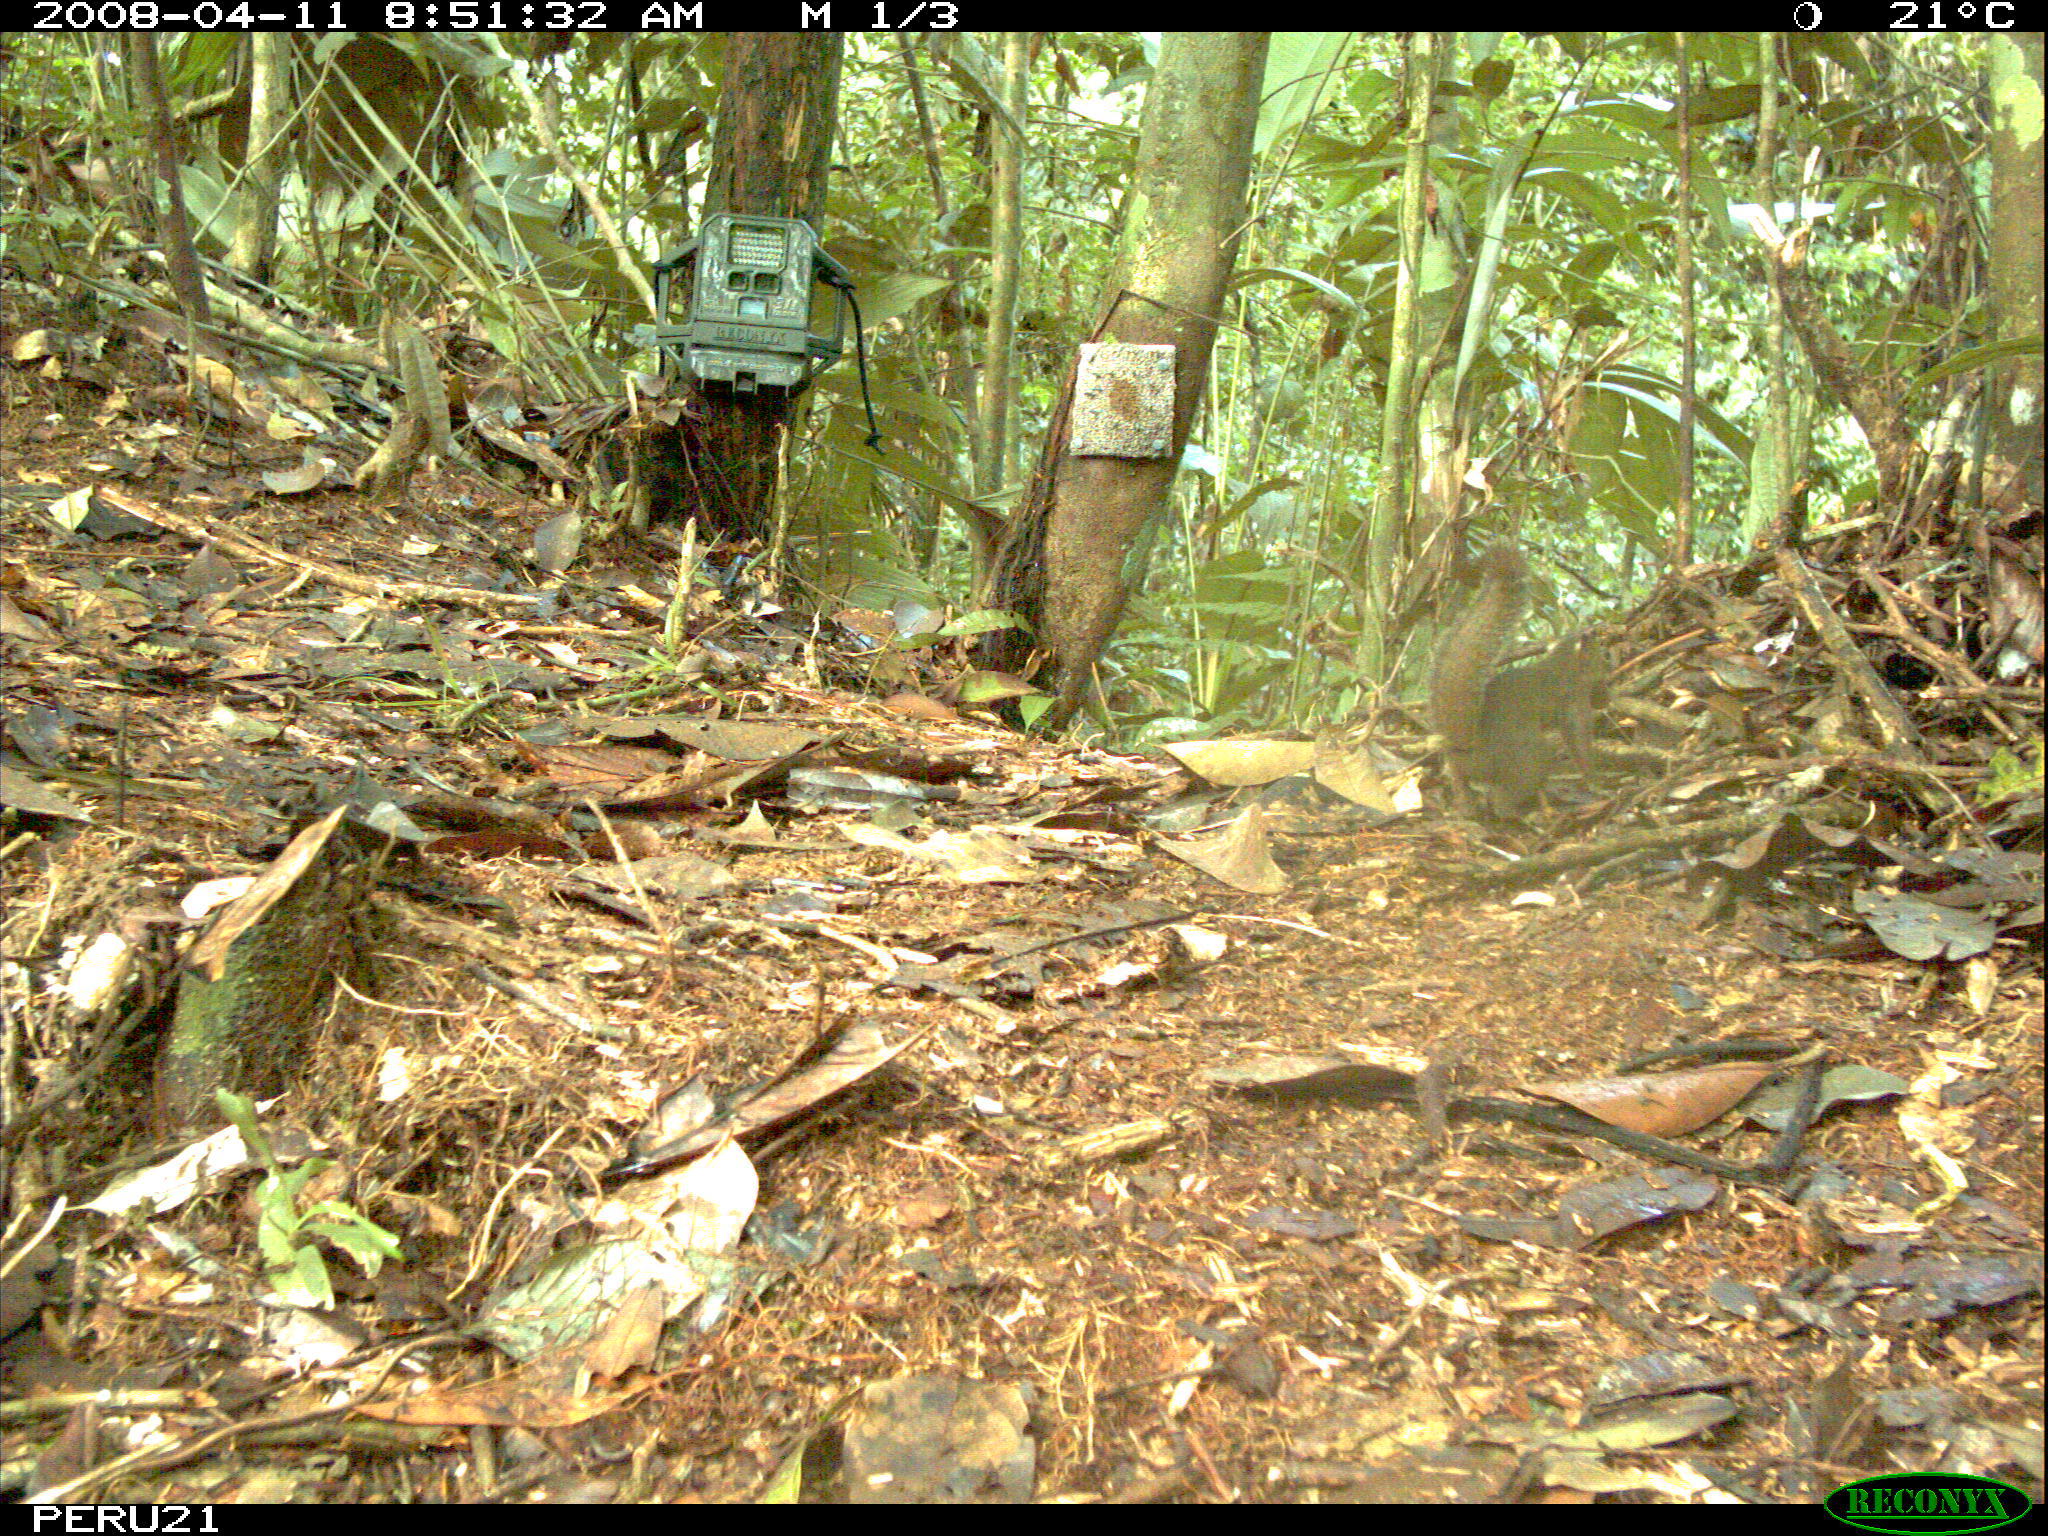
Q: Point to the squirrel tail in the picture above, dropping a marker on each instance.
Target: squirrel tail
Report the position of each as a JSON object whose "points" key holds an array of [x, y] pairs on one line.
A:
{"points": [[1466, 653]]}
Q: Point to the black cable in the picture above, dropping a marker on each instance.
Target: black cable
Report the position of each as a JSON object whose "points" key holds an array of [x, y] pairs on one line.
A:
{"points": [[860, 354]]}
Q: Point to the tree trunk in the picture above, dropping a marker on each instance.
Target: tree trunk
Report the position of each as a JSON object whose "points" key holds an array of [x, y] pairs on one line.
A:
{"points": [[769, 155], [1061, 567]]}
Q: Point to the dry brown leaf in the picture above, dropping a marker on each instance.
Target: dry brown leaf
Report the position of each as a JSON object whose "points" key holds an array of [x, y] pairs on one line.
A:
{"points": [[1668, 1104]]}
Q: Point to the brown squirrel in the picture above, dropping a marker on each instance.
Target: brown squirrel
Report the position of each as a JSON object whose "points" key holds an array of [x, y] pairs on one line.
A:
{"points": [[1497, 726]]}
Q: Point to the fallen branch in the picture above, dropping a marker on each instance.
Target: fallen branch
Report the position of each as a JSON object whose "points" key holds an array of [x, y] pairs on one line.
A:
{"points": [[247, 548]]}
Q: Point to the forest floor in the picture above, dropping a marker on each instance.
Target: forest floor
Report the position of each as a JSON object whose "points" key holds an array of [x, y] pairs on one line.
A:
{"points": [[1110, 1181]]}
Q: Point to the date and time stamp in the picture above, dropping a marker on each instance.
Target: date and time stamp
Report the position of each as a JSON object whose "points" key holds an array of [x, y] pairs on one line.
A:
{"points": [[490, 15], [1893, 16]]}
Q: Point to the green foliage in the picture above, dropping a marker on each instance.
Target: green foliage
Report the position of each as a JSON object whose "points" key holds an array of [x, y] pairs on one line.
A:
{"points": [[2011, 777], [1553, 177], [290, 1229], [1578, 435], [994, 687]]}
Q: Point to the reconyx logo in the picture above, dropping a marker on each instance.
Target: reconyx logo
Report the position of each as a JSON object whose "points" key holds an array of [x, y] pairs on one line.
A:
{"points": [[1950, 1503]]}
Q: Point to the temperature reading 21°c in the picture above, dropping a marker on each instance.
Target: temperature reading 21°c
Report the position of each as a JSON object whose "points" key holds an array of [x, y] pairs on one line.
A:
{"points": [[1914, 16]]}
